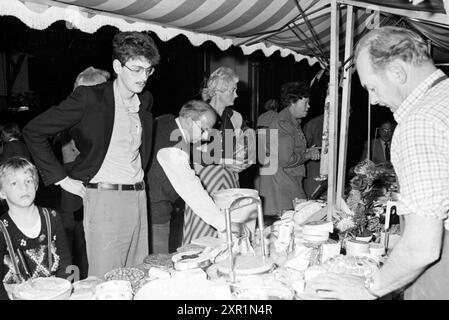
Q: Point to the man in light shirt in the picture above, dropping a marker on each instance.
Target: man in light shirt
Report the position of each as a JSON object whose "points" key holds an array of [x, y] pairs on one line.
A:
{"points": [[395, 67], [173, 172], [73, 221], [111, 125]]}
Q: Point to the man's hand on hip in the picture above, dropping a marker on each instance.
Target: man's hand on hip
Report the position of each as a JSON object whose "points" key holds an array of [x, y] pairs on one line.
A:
{"points": [[73, 186]]}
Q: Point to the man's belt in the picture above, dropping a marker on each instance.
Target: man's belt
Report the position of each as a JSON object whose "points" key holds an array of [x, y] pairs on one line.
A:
{"points": [[111, 186]]}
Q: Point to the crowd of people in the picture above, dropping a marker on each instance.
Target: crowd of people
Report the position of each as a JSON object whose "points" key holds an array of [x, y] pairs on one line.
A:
{"points": [[133, 185]]}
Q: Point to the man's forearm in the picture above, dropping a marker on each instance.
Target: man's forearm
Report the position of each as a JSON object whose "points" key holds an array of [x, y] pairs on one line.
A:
{"points": [[419, 247], [183, 179], [397, 271]]}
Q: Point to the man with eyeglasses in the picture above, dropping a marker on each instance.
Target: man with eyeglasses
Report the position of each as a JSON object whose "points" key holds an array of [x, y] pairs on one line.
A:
{"points": [[111, 125], [381, 144], [171, 176]]}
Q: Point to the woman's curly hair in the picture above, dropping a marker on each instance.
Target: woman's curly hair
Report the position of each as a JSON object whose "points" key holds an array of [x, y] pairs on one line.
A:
{"points": [[220, 80], [292, 92]]}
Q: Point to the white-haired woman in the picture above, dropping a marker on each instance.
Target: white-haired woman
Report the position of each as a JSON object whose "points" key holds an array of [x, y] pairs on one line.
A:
{"points": [[220, 92]]}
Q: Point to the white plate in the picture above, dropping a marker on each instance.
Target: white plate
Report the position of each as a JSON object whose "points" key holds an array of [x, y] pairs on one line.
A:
{"points": [[246, 265]]}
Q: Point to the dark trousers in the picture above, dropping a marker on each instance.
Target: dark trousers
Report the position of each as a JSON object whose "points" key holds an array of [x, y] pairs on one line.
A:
{"points": [[174, 211], [79, 250], [176, 225], [73, 225]]}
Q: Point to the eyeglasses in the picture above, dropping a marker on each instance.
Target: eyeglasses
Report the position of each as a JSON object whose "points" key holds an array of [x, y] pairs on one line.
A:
{"points": [[138, 70], [386, 129]]}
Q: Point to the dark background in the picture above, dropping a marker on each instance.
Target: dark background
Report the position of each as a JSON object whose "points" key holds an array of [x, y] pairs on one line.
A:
{"points": [[56, 56]]}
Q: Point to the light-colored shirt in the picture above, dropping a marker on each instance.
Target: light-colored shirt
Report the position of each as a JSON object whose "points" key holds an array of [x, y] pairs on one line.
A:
{"points": [[122, 163], [420, 150], [175, 163], [31, 232]]}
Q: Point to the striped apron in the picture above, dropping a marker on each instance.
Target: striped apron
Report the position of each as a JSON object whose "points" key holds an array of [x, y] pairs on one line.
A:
{"points": [[213, 178]]}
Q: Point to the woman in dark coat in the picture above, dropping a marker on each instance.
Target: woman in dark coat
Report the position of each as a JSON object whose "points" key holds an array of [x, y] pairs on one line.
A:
{"points": [[280, 188]]}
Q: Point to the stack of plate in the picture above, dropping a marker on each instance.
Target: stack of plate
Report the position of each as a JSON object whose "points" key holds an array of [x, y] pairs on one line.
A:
{"points": [[316, 231], [377, 249], [357, 248]]}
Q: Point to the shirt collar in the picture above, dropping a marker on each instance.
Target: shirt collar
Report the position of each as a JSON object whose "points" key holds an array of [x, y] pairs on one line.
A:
{"points": [[180, 128], [131, 108], [417, 93], [286, 115]]}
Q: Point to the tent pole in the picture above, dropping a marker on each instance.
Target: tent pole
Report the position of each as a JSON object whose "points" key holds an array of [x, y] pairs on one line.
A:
{"points": [[333, 110], [255, 91], [345, 106], [368, 151]]}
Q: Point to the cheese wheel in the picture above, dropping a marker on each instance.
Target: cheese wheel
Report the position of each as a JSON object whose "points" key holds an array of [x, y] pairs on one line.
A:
{"points": [[191, 260]]}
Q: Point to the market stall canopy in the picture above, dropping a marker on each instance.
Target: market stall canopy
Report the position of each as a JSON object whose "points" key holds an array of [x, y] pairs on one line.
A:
{"points": [[299, 28], [294, 27], [427, 17]]}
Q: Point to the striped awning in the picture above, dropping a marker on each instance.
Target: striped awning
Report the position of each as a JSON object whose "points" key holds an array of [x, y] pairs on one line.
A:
{"points": [[294, 27]]}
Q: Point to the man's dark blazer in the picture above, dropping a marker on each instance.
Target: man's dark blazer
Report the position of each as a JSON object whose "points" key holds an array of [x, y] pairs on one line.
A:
{"points": [[377, 151], [160, 188], [88, 113]]}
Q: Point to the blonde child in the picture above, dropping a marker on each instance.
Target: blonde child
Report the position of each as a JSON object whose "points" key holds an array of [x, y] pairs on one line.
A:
{"points": [[32, 239]]}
